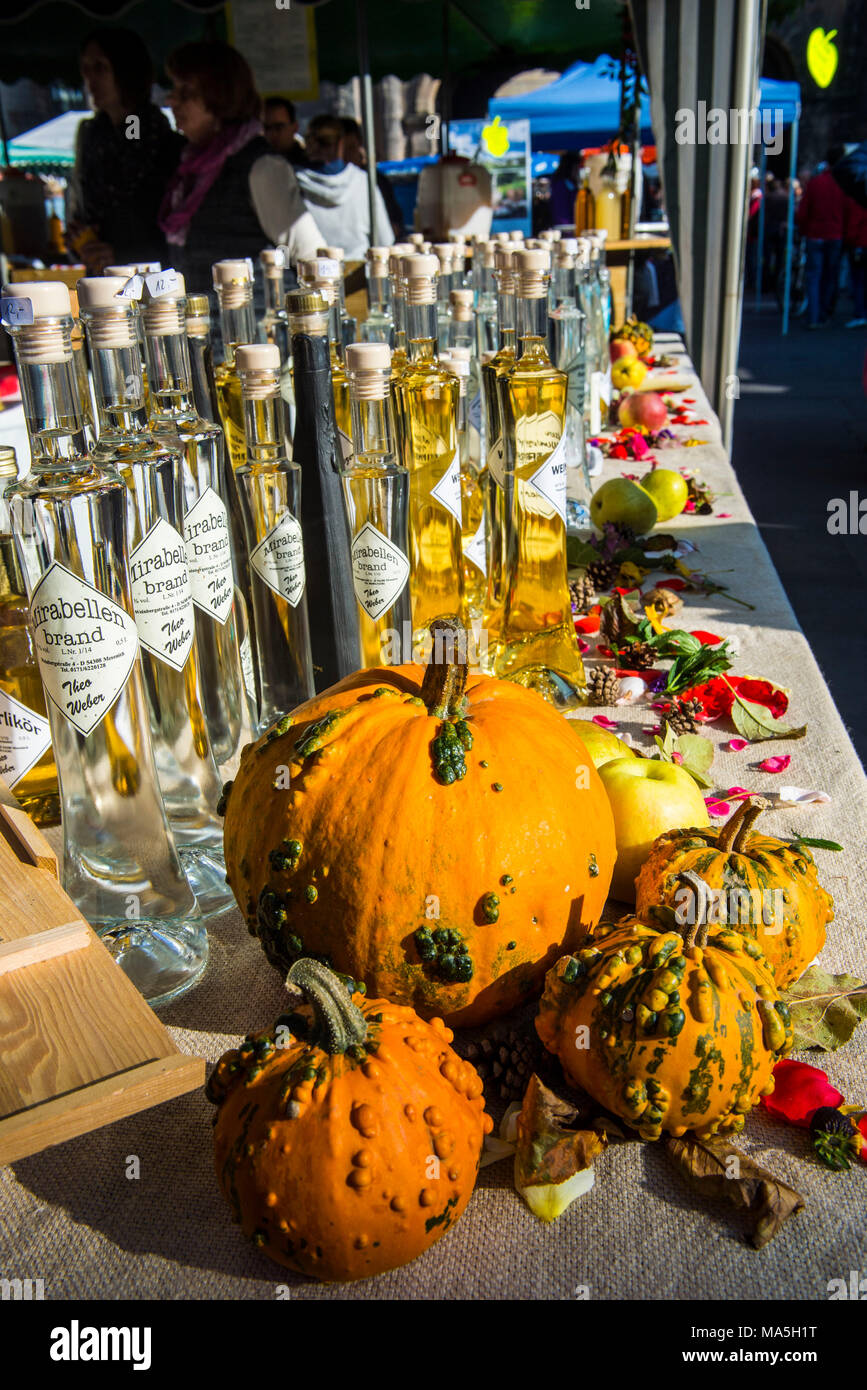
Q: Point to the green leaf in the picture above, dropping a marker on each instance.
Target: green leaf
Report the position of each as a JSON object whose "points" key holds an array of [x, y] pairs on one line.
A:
{"points": [[697, 752], [756, 723], [825, 1009], [579, 554], [816, 844]]}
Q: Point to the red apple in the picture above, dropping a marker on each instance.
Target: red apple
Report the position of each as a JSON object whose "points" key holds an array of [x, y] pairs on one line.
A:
{"points": [[622, 347], [642, 409]]}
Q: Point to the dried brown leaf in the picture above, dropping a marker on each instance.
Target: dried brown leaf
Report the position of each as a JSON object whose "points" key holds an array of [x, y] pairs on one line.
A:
{"points": [[717, 1168]]}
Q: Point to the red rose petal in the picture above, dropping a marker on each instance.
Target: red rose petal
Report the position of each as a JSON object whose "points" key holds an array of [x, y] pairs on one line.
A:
{"points": [[799, 1091], [776, 764], [708, 639]]}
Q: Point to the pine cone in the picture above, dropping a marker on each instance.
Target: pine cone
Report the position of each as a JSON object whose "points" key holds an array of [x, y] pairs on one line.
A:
{"points": [[681, 716], [505, 1060], [638, 656], [602, 573], [603, 687], [582, 592]]}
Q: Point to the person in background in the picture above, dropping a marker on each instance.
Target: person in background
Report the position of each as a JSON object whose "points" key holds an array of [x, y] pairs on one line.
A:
{"points": [[820, 218], [281, 130], [855, 240], [335, 192], [755, 202], [124, 156], [354, 152], [564, 190], [231, 195]]}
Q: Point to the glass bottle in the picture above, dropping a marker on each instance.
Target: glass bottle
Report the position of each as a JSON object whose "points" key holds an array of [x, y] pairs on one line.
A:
{"points": [[378, 327], [82, 374], [120, 864], [347, 326], [474, 540], [501, 360], [274, 328], [445, 254], [398, 304], [270, 487], [461, 325], [330, 597], [566, 336], [233, 282], [162, 579], [426, 396], [376, 493], [322, 275], [585, 208], [609, 210], [539, 647], [220, 614], [597, 395], [26, 758]]}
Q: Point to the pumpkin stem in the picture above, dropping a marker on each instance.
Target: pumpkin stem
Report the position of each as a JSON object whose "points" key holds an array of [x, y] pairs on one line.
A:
{"points": [[695, 933], [445, 676], [738, 826], [339, 1024]]}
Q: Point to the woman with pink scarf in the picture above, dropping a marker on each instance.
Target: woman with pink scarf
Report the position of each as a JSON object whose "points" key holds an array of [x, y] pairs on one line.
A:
{"points": [[231, 196]]}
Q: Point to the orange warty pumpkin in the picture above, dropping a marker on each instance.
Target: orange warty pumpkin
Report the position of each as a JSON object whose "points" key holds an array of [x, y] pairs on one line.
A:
{"points": [[348, 1144], [764, 888], [670, 1027], [441, 838]]}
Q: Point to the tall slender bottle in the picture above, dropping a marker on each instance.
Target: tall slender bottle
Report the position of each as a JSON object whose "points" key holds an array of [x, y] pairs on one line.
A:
{"points": [[233, 282], [378, 327], [162, 579], [120, 863], [376, 492], [323, 275], [539, 647], [501, 360], [398, 303], [427, 398], [330, 596], [274, 328], [270, 487], [566, 326], [219, 606], [26, 760], [585, 206], [348, 328], [461, 323], [445, 254], [474, 530]]}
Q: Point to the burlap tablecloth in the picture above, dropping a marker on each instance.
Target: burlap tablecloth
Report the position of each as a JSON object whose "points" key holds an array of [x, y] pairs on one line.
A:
{"points": [[72, 1217]]}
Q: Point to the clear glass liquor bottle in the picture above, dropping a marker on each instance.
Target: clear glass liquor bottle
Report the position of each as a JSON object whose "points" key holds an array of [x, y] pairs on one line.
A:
{"points": [[120, 864], [426, 398], [398, 304], [322, 275], [26, 758], [566, 325], [491, 370], [474, 529], [275, 327], [445, 254], [161, 580], [378, 327], [539, 647], [233, 282], [376, 493], [347, 326], [461, 325], [221, 627], [270, 487]]}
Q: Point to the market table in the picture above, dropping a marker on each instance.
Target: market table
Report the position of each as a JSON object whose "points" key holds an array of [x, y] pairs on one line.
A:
{"points": [[72, 1216]]}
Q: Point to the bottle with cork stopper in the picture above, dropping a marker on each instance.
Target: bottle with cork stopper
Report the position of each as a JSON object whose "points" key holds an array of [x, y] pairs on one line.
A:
{"points": [[69, 516], [233, 283], [492, 367], [398, 302], [378, 327], [566, 326], [347, 324], [323, 275], [474, 531]]}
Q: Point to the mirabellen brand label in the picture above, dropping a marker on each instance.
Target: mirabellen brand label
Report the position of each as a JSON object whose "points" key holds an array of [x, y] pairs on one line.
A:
{"points": [[161, 597], [85, 644], [448, 489], [550, 479], [279, 559], [379, 571], [209, 556], [24, 737]]}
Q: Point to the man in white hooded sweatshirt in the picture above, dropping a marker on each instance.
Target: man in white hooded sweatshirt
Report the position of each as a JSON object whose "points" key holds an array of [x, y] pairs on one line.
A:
{"points": [[336, 193]]}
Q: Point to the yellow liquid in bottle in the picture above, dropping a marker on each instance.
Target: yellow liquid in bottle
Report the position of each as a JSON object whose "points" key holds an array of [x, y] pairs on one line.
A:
{"points": [[19, 677], [342, 412], [367, 501], [496, 585], [609, 213], [473, 492], [231, 407], [538, 636], [427, 403]]}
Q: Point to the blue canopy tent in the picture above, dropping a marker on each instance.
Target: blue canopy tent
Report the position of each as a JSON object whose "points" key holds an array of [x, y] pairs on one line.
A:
{"points": [[779, 105], [581, 108]]}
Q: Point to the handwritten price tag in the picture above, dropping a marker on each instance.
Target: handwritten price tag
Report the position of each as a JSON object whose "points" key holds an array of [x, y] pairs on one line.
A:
{"points": [[15, 312], [132, 289], [326, 269], [162, 282]]}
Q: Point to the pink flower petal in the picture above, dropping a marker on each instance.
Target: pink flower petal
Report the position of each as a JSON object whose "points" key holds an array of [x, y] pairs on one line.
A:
{"points": [[736, 744], [738, 794], [718, 809], [778, 763], [604, 722], [723, 516], [582, 645], [677, 757]]}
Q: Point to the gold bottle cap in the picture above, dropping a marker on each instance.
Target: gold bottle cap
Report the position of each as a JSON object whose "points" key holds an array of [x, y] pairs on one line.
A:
{"points": [[8, 462], [306, 302]]}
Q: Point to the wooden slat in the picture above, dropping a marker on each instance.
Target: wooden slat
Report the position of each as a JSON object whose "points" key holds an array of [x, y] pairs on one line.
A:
{"points": [[44, 945], [66, 1116], [25, 838]]}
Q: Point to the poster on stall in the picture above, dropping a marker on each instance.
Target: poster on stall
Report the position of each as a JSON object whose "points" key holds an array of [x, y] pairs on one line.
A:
{"points": [[279, 43], [503, 147]]}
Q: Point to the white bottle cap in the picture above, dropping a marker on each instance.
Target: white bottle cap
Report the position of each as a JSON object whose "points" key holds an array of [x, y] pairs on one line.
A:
{"points": [[101, 291], [368, 357], [414, 267], [49, 298], [139, 268], [272, 258], [230, 273], [569, 245], [257, 357]]}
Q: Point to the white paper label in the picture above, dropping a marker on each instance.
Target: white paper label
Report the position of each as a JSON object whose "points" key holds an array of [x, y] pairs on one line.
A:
{"points": [[247, 668], [85, 643], [497, 462], [24, 737], [132, 289], [379, 571], [600, 400], [161, 596], [162, 282], [448, 490], [209, 556], [550, 479], [279, 559], [345, 445], [476, 550], [15, 311]]}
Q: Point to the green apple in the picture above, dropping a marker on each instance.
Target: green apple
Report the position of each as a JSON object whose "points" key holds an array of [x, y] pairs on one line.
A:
{"points": [[623, 501], [647, 798], [669, 491], [822, 56], [601, 744]]}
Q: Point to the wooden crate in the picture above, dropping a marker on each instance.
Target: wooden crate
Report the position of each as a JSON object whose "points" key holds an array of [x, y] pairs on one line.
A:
{"points": [[79, 1047]]}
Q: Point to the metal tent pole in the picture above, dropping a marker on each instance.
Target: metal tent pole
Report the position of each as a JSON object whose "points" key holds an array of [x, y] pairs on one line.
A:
{"points": [[790, 219], [367, 112]]}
